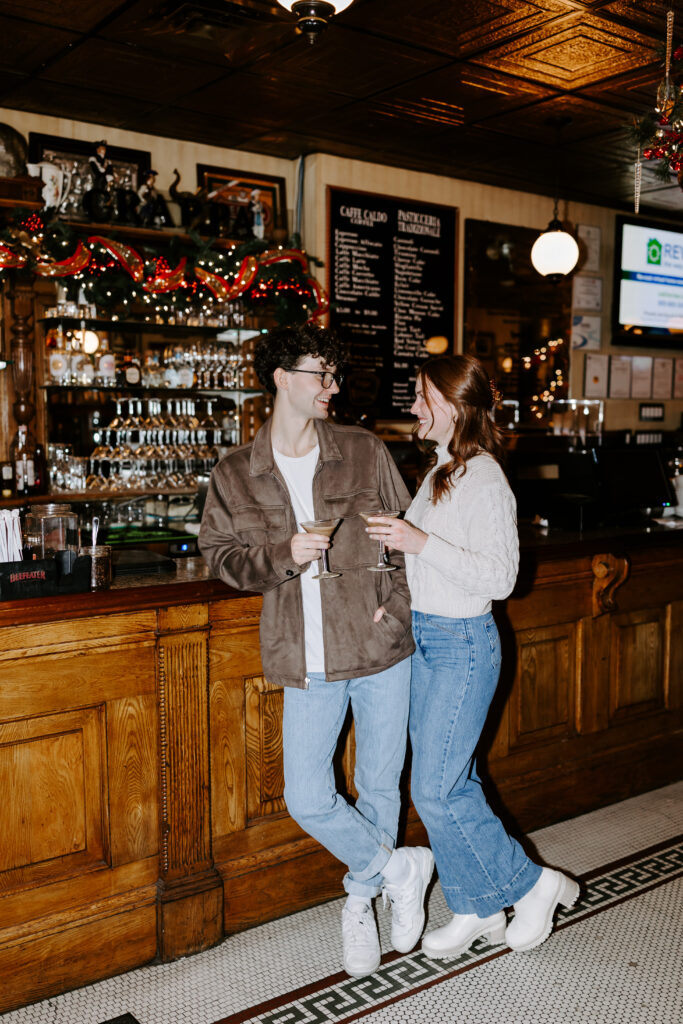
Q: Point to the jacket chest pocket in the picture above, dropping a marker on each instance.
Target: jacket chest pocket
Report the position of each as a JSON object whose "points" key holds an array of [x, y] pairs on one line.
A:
{"points": [[260, 524], [351, 546], [346, 506]]}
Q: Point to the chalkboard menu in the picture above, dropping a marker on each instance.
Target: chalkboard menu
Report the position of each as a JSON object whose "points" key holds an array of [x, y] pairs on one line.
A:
{"points": [[392, 283]]}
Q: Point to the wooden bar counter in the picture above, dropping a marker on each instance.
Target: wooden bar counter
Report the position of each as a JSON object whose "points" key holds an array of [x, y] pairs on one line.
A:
{"points": [[142, 814]]}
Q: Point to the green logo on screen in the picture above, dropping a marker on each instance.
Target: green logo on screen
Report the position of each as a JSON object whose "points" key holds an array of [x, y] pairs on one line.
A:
{"points": [[654, 251]]}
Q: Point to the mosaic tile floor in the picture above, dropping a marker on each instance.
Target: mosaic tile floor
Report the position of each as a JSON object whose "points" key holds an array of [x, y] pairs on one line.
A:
{"points": [[614, 959]]}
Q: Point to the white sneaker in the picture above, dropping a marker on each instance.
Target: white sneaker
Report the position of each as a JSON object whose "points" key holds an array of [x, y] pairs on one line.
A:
{"points": [[407, 899], [533, 920], [459, 934], [362, 954]]}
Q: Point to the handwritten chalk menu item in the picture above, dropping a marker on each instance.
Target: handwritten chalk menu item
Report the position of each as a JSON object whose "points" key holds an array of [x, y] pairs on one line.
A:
{"points": [[392, 285]]}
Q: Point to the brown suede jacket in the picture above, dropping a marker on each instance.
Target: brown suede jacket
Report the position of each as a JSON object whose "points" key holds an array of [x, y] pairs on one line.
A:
{"points": [[245, 536]]}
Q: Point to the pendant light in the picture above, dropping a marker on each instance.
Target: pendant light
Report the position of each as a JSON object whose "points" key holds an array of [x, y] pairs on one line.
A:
{"points": [[555, 253], [313, 15]]}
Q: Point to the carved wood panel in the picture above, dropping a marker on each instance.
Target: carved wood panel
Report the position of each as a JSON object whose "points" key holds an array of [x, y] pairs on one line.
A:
{"points": [[48, 763], [542, 698], [263, 739], [186, 836], [133, 755], [638, 642]]}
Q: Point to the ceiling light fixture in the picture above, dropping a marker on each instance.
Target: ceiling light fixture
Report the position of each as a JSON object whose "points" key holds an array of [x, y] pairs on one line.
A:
{"points": [[555, 253], [313, 15]]}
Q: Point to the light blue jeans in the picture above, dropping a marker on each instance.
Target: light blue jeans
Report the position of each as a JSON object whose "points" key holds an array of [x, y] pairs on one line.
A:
{"points": [[362, 837], [455, 670]]}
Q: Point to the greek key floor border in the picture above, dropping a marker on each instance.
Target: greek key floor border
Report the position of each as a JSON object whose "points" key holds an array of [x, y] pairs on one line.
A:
{"points": [[340, 998]]}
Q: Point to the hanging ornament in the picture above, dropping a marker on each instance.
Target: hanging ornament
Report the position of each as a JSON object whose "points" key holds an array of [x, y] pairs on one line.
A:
{"points": [[637, 182], [166, 280], [127, 257], [65, 268]]}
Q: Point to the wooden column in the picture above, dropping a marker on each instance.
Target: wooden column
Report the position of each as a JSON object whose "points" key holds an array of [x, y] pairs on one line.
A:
{"points": [[190, 907]]}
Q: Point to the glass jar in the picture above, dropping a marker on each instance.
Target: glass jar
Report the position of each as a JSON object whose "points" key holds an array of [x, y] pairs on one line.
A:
{"points": [[51, 528]]}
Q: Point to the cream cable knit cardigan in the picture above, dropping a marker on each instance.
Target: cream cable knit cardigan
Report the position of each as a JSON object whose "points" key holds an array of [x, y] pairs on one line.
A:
{"points": [[472, 552]]}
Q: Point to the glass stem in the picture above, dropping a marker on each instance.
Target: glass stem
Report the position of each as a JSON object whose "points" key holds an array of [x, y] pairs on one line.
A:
{"points": [[323, 559]]}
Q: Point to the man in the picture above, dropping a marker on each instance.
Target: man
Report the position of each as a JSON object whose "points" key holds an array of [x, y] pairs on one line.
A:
{"points": [[331, 641]]}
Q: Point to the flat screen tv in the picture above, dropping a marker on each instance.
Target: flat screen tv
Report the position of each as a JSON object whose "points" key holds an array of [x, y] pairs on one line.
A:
{"points": [[647, 307]]}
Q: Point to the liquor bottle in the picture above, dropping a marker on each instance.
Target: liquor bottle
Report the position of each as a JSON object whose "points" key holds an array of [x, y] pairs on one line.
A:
{"points": [[7, 479], [130, 371], [22, 452], [106, 365], [58, 359]]}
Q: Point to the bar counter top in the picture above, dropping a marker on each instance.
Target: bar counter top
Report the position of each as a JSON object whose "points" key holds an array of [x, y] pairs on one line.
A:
{"points": [[194, 582]]}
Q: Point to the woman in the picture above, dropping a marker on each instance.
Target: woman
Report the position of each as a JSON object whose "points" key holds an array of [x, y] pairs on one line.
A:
{"points": [[462, 552]]}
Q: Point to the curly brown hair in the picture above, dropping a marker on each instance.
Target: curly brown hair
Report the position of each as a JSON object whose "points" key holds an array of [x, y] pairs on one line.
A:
{"points": [[463, 382], [287, 346]]}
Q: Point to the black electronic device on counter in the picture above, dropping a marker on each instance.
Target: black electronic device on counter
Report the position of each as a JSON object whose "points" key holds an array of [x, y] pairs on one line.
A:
{"points": [[634, 484]]}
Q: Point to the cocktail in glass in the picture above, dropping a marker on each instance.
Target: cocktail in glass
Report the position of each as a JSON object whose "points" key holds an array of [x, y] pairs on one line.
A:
{"points": [[383, 565], [326, 527]]}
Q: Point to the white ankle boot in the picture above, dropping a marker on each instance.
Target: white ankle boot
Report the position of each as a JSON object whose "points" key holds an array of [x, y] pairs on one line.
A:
{"points": [[459, 934], [533, 920]]}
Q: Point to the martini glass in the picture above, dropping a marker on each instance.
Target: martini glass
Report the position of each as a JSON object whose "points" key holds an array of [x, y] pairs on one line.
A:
{"points": [[326, 527], [382, 564]]}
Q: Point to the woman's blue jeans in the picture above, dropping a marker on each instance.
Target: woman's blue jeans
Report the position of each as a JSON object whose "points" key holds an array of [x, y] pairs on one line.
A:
{"points": [[455, 670], [361, 836]]}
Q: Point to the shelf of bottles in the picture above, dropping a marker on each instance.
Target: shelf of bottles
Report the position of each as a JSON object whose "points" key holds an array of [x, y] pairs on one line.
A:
{"points": [[150, 444], [178, 390]]}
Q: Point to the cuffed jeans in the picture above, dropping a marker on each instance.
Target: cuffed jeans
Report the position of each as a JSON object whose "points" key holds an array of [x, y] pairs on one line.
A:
{"points": [[455, 670], [362, 837]]}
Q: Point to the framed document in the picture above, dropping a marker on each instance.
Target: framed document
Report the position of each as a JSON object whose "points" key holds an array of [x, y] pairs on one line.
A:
{"points": [[678, 378], [587, 294], [641, 377], [586, 331], [662, 377], [620, 377], [596, 375], [589, 243]]}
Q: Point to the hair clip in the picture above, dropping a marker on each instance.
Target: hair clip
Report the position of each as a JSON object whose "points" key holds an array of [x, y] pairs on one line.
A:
{"points": [[496, 393]]}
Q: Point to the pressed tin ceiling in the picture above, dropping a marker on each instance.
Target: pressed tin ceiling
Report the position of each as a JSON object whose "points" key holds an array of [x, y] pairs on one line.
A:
{"points": [[468, 88]]}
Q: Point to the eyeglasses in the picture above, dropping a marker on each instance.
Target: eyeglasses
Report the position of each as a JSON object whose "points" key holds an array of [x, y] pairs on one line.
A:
{"points": [[326, 377]]}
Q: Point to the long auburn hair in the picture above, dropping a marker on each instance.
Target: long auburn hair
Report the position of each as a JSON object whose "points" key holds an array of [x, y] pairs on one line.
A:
{"points": [[463, 382]]}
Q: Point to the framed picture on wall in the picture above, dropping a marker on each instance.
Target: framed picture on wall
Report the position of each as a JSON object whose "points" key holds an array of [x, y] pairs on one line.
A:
{"points": [[243, 205], [72, 169]]}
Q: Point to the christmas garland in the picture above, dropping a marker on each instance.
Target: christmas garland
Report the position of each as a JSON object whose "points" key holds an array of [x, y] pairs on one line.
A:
{"points": [[190, 275]]}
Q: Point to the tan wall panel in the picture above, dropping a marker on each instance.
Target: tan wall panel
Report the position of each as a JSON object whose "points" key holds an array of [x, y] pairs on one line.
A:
{"points": [[265, 777], [41, 684], [637, 662], [54, 822], [76, 634], [228, 755], [133, 754], [182, 617], [542, 699], [55, 963]]}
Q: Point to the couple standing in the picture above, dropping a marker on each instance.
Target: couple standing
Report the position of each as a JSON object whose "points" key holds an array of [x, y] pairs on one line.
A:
{"points": [[351, 641]]}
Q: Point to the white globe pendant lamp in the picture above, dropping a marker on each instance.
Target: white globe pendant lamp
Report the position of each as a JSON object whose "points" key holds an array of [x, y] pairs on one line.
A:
{"points": [[555, 253], [313, 15]]}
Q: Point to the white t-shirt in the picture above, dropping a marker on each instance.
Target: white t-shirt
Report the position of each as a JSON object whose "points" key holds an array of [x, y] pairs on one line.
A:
{"points": [[298, 475]]}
